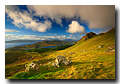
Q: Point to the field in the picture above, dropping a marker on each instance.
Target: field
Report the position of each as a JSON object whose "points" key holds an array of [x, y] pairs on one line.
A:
{"points": [[93, 58]]}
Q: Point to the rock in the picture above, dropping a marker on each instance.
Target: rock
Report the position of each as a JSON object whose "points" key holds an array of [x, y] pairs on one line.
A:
{"points": [[65, 62], [27, 69], [69, 61], [67, 58], [61, 60], [31, 66], [113, 50], [26, 65], [55, 64], [109, 50], [100, 46]]}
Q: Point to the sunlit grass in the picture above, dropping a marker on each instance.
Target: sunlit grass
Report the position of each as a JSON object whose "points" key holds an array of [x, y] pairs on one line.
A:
{"points": [[88, 61]]}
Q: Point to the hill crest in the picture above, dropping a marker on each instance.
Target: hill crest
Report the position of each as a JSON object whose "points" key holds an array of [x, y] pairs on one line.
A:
{"points": [[87, 36], [91, 34]]}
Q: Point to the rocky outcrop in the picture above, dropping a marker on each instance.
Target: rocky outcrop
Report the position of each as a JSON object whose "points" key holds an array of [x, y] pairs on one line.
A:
{"points": [[87, 36]]}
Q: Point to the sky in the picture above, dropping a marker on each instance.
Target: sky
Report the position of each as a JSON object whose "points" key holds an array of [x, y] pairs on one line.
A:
{"points": [[56, 22]]}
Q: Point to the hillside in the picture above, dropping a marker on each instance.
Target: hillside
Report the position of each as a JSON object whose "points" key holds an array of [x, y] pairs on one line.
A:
{"points": [[38, 45], [88, 36], [93, 58]]}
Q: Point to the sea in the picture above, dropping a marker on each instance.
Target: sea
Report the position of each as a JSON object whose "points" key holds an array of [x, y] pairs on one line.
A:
{"points": [[9, 45]]}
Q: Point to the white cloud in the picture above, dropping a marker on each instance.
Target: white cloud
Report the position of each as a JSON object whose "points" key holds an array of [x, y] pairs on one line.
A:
{"points": [[19, 37], [70, 35], [24, 19], [10, 30], [34, 37], [55, 34], [75, 27], [97, 16]]}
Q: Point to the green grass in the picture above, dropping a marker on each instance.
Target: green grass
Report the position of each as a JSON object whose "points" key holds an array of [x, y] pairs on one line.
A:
{"points": [[88, 61], [40, 74], [42, 50]]}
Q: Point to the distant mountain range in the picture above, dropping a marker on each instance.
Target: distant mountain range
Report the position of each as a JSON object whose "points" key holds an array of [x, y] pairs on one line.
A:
{"points": [[22, 41], [37, 44]]}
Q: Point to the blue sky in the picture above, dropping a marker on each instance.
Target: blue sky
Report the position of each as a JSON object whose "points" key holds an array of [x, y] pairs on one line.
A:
{"points": [[38, 22]]}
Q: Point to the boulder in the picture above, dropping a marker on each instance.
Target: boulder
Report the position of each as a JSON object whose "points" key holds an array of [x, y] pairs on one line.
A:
{"points": [[32, 65], [55, 64], [61, 60]]}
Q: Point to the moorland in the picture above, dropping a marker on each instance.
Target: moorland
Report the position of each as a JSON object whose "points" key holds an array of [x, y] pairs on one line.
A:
{"points": [[93, 57]]}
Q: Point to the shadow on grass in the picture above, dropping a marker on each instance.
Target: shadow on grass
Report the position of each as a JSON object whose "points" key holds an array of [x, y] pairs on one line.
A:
{"points": [[40, 74], [49, 71]]}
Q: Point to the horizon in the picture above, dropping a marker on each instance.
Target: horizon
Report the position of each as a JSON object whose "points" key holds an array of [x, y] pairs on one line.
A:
{"points": [[38, 22]]}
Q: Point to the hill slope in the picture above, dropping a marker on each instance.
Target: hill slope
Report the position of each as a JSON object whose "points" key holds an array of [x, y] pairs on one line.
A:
{"points": [[37, 45], [93, 58]]}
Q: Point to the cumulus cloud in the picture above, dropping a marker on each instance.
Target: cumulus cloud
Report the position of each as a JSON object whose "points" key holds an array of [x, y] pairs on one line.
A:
{"points": [[24, 19], [70, 35], [55, 34], [96, 16], [34, 37], [10, 30], [75, 27]]}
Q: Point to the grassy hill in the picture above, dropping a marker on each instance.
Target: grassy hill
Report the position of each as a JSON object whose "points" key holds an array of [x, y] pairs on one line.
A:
{"points": [[38, 45], [93, 58]]}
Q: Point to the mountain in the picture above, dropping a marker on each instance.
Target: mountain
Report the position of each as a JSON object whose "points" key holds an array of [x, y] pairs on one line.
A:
{"points": [[20, 41], [113, 29], [91, 34], [88, 36], [93, 58], [38, 45]]}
